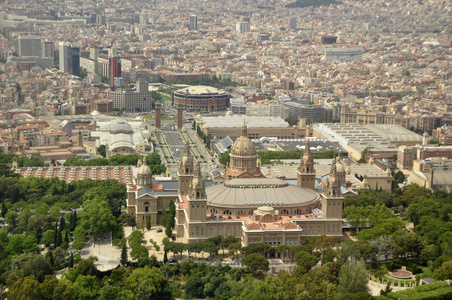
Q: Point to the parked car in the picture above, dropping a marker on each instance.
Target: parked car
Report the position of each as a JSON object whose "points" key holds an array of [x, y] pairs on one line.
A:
{"points": [[159, 229], [172, 261]]}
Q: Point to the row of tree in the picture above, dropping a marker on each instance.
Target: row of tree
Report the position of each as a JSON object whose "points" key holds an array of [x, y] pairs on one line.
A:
{"points": [[22, 161]]}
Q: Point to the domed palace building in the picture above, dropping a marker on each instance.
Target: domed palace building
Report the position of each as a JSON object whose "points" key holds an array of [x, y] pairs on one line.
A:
{"points": [[254, 208], [201, 98], [248, 205]]}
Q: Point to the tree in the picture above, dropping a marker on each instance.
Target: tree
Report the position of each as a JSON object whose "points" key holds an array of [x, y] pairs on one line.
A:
{"points": [[168, 231], [148, 283], [292, 121], [66, 237], [136, 241], [256, 262], [408, 244], [194, 287], [399, 177], [86, 266], [86, 287], [79, 239], [39, 268], [353, 277], [234, 248], [305, 260], [49, 258], [224, 158], [116, 293], [127, 219], [38, 224], [413, 193], [58, 235], [4, 209], [148, 222], [139, 252], [48, 237], [10, 218], [26, 288], [59, 257], [96, 217], [64, 291], [124, 255]]}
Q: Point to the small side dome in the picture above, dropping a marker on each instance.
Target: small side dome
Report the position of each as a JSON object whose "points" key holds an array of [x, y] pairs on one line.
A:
{"points": [[144, 168], [340, 167], [265, 210], [243, 146]]}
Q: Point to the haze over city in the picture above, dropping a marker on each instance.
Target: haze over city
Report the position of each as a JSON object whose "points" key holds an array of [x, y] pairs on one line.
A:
{"points": [[225, 149]]}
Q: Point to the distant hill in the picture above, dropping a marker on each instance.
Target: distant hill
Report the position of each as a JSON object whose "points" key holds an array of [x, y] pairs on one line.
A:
{"points": [[308, 3]]}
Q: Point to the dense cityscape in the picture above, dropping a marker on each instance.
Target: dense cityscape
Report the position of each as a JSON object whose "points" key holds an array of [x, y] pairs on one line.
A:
{"points": [[230, 149]]}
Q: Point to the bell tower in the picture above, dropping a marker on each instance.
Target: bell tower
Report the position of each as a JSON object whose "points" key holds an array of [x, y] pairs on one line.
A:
{"points": [[306, 171], [185, 170], [197, 201], [332, 199]]}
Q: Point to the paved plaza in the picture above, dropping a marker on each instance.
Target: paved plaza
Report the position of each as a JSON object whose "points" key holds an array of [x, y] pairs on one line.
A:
{"points": [[109, 256]]}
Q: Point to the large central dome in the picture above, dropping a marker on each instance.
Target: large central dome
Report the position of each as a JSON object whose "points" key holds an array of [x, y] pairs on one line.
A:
{"points": [[243, 156]]}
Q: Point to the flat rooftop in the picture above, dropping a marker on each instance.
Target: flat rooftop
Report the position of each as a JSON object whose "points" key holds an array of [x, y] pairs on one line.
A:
{"points": [[395, 133], [236, 121]]}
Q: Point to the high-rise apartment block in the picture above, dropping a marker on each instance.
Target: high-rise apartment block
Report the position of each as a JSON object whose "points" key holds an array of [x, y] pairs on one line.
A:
{"points": [[69, 58], [65, 57], [115, 68], [242, 27], [75, 56], [139, 100], [29, 45], [405, 157], [193, 25], [144, 19], [47, 49]]}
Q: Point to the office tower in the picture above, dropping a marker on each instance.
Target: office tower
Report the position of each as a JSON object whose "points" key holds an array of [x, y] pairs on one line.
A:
{"points": [[144, 19], [293, 23], [101, 19], [69, 58], [115, 68], [47, 49], [242, 27], [29, 45], [193, 22], [75, 55], [65, 57], [94, 53]]}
